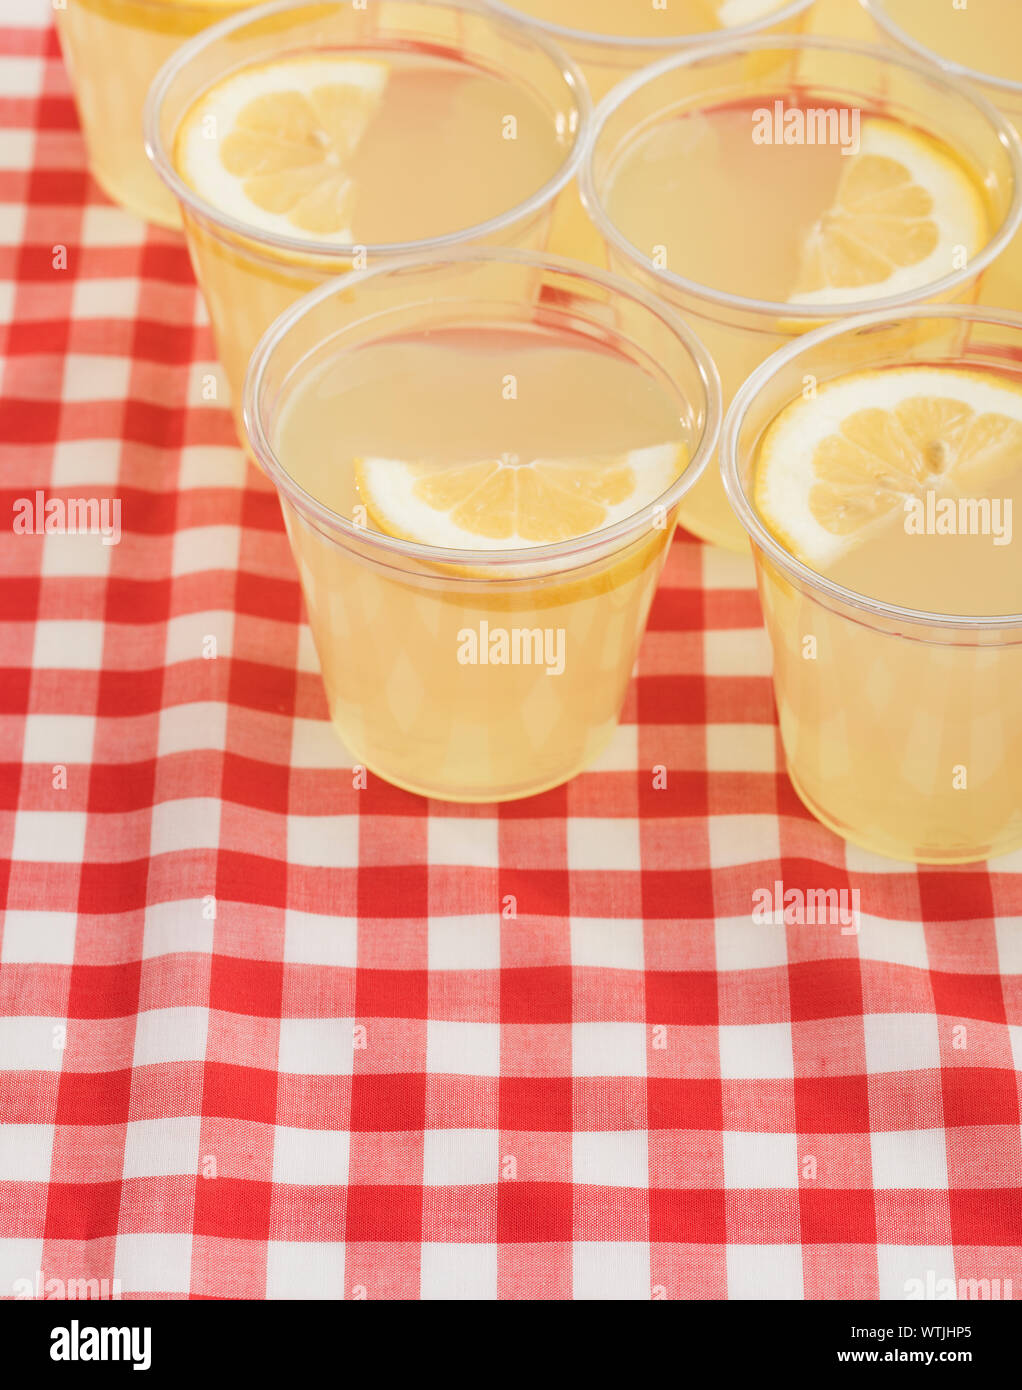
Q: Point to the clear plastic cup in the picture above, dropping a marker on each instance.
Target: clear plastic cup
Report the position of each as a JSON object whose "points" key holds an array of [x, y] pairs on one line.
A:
{"points": [[741, 331], [902, 729], [388, 615], [247, 275], [113, 49], [608, 57], [919, 28]]}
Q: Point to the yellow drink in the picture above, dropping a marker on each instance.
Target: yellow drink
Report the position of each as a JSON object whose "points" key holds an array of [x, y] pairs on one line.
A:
{"points": [[984, 36], [778, 185], [882, 506], [338, 138], [113, 50], [476, 640], [612, 39], [982, 44], [841, 19]]}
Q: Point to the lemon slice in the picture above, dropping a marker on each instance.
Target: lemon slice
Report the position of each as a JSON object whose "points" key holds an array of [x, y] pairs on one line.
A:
{"points": [[177, 17], [732, 13], [269, 145], [499, 504], [832, 467], [902, 211]]}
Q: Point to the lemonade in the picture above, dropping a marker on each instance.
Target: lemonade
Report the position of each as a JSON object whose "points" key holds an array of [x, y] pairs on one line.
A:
{"points": [[883, 505], [113, 50], [776, 185], [334, 138], [980, 42], [613, 38], [480, 486]]}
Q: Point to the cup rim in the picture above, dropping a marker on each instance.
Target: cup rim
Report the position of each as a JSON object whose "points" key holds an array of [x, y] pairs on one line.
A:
{"points": [[880, 16], [795, 313], [163, 164], [764, 539], [623, 43], [507, 561]]}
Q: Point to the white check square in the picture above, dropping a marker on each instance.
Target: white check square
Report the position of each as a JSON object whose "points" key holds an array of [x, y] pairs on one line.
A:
{"points": [[187, 728], [150, 1263], [741, 748], [753, 1161], [621, 753], [311, 1270], [188, 824], [736, 652], [764, 1271], [613, 1271], [608, 1049], [43, 938], [464, 943], [463, 840], [744, 840], [323, 842], [315, 744], [68, 646], [610, 1158], [95, 378], [32, 1043], [49, 837], [916, 1272], [608, 943], [311, 939], [105, 299], [746, 945], [76, 556], [206, 636], [603, 842], [1009, 945], [901, 1042], [462, 1049], [21, 1258], [909, 1158], [198, 549], [58, 738], [86, 464], [311, 1157], [755, 1051], [106, 225], [461, 1158], [171, 1035], [212, 465], [894, 943], [163, 1148], [317, 1046], [183, 926], [25, 1152], [457, 1272]]}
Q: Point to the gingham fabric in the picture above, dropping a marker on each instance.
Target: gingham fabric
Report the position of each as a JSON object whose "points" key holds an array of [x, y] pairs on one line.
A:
{"points": [[264, 1035]]}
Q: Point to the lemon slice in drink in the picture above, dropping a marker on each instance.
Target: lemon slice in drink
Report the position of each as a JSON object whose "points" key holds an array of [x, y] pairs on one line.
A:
{"points": [[904, 215], [508, 504], [269, 145], [832, 467], [184, 17]]}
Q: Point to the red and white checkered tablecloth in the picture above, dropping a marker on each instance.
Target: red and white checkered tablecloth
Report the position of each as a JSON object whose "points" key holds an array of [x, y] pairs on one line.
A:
{"points": [[266, 1035]]}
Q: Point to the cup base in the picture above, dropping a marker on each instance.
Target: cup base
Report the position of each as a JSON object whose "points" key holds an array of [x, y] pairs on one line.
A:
{"points": [[886, 851], [470, 799]]}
